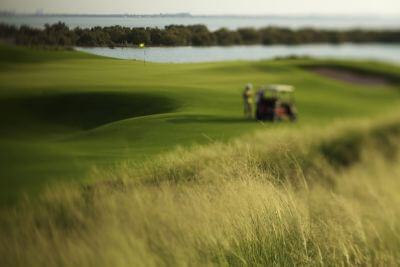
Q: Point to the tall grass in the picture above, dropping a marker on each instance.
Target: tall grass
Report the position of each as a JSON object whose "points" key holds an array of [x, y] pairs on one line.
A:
{"points": [[283, 197]]}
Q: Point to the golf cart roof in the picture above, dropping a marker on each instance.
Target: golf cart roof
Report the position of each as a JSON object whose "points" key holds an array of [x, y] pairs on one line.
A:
{"points": [[279, 88]]}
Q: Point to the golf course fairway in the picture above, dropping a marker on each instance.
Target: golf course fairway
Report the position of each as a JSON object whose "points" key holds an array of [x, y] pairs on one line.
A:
{"points": [[64, 113]]}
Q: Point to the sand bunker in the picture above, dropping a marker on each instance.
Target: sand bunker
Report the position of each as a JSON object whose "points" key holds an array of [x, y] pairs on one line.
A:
{"points": [[351, 76]]}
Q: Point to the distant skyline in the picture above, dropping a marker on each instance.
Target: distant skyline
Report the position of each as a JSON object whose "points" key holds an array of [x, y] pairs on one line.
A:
{"points": [[206, 7]]}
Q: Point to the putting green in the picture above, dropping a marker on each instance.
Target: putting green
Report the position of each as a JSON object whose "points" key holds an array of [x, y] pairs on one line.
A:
{"points": [[64, 112]]}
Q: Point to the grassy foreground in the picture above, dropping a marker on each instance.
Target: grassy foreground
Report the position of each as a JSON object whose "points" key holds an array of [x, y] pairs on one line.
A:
{"points": [[275, 198], [63, 112]]}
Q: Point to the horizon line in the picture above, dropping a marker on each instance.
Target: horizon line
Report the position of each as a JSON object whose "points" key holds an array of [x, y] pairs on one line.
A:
{"points": [[188, 14]]}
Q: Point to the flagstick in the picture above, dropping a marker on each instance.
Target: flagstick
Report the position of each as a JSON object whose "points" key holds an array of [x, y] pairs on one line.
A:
{"points": [[142, 45]]}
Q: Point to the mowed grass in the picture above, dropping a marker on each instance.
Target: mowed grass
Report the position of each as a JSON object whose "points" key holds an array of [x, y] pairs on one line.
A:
{"points": [[63, 112]]}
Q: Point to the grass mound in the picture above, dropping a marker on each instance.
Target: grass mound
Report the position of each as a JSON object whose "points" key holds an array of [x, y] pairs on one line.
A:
{"points": [[88, 110], [17, 55], [277, 197]]}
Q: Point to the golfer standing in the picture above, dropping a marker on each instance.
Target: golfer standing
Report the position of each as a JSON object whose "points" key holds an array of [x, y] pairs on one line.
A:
{"points": [[248, 100]]}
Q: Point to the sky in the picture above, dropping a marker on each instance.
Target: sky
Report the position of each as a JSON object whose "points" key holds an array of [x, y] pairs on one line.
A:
{"points": [[212, 7]]}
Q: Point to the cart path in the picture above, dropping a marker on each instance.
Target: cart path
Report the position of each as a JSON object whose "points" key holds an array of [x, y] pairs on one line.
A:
{"points": [[351, 76]]}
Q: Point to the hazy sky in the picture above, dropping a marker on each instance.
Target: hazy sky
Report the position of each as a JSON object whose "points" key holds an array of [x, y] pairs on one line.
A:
{"points": [[206, 6]]}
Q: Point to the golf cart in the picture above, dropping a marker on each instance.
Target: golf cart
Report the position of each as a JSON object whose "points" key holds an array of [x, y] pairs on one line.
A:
{"points": [[275, 102]]}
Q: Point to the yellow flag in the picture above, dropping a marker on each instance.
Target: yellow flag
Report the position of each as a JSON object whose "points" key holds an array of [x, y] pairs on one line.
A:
{"points": [[141, 45]]}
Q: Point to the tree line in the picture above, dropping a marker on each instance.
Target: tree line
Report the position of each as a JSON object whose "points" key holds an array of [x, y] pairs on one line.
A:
{"points": [[59, 34]]}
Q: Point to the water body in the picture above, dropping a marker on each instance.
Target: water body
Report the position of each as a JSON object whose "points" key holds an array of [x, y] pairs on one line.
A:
{"points": [[212, 22], [388, 53]]}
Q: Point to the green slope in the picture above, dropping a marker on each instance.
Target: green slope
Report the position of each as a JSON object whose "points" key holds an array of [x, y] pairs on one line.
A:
{"points": [[64, 112]]}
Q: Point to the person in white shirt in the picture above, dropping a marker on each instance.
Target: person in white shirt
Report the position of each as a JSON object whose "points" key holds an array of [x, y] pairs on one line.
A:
{"points": [[248, 100]]}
